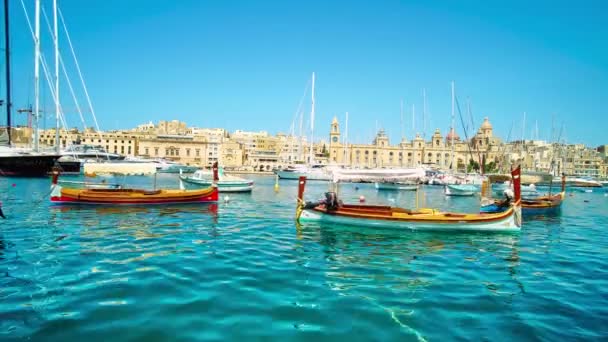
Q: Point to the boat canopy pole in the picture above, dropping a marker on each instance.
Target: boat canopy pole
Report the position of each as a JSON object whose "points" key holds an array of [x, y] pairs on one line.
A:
{"points": [[312, 121], [36, 76], [453, 130], [8, 71], [57, 109]]}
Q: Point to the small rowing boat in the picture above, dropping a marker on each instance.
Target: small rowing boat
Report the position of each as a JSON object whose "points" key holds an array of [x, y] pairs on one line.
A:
{"points": [[333, 211], [122, 196], [533, 205]]}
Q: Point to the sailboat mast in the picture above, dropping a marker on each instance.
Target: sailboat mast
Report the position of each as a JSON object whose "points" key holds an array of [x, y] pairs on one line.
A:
{"points": [[301, 150], [8, 71], [346, 140], [312, 120], [413, 120], [452, 131], [55, 27], [36, 76], [401, 121], [424, 113]]}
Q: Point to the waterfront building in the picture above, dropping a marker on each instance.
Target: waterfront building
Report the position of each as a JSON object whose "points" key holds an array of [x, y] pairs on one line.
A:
{"points": [[261, 151], [120, 142], [436, 152], [185, 149]]}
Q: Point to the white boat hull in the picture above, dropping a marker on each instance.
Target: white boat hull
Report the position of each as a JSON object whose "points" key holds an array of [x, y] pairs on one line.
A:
{"points": [[395, 186], [454, 190], [223, 186], [506, 225], [320, 176]]}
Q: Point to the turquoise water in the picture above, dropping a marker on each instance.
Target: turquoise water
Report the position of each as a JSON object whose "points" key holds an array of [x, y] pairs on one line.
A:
{"points": [[243, 270]]}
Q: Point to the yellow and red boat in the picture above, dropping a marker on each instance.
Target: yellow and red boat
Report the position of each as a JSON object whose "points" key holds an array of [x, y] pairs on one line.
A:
{"points": [[333, 211], [61, 195], [535, 205]]}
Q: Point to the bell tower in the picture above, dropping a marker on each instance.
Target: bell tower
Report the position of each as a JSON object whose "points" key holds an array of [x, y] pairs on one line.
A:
{"points": [[334, 133]]}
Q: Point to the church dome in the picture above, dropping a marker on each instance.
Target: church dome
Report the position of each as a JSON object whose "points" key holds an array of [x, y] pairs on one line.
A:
{"points": [[486, 124], [452, 135]]}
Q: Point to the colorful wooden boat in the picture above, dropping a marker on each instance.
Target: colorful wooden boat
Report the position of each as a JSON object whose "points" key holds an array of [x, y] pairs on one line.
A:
{"points": [[225, 182], [332, 211], [61, 195], [534, 205]]}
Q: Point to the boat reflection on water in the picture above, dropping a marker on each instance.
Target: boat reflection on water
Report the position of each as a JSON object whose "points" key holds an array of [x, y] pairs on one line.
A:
{"points": [[165, 209], [132, 215]]}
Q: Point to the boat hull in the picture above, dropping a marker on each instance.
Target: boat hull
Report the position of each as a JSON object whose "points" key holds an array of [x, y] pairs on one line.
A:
{"points": [[503, 224], [27, 165], [132, 196], [538, 205], [318, 176], [458, 190], [73, 167], [395, 186], [223, 186]]}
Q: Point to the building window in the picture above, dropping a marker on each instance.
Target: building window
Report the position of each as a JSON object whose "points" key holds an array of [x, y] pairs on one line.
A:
{"points": [[188, 152], [198, 152], [122, 150], [156, 151], [115, 149], [147, 151], [129, 150]]}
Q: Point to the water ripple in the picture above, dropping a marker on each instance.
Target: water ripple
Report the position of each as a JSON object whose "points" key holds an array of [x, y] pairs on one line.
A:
{"points": [[244, 270]]}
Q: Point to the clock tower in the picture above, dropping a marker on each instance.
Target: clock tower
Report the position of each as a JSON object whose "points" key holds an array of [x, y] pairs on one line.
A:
{"points": [[334, 133]]}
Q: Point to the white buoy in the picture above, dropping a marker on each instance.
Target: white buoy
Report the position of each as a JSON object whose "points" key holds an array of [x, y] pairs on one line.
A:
{"points": [[361, 198], [226, 199]]}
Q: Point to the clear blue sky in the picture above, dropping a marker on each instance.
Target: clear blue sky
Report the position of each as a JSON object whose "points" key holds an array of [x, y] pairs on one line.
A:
{"points": [[244, 64]]}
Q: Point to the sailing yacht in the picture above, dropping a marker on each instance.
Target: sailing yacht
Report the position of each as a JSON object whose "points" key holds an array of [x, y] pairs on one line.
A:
{"points": [[310, 170], [20, 162]]}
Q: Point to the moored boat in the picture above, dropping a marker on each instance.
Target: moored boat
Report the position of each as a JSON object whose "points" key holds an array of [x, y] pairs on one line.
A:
{"points": [[314, 172], [225, 183], [396, 186], [461, 189], [331, 210], [534, 205], [122, 196]]}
